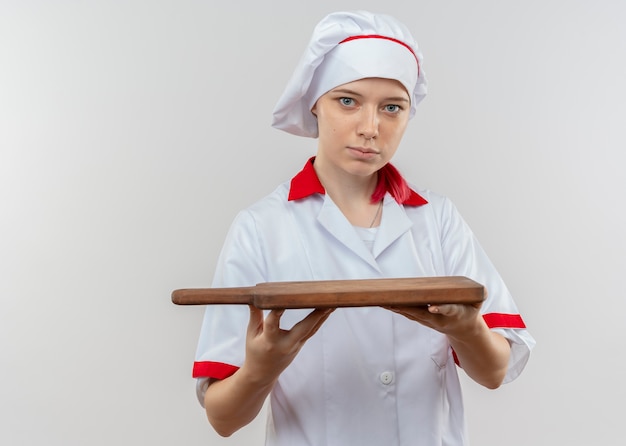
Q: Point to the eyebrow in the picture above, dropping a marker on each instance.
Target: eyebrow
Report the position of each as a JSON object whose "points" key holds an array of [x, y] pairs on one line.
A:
{"points": [[354, 93]]}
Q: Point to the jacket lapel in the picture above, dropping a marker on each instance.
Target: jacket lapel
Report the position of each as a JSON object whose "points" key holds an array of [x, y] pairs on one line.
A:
{"points": [[394, 223]]}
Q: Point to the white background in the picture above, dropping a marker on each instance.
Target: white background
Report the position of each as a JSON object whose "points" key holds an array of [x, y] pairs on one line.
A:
{"points": [[131, 132]]}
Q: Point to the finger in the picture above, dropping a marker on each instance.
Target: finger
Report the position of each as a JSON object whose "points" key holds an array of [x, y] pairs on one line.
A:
{"points": [[271, 325], [255, 325], [411, 312], [324, 315], [308, 326], [434, 309], [419, 314], [274, 315], [454, 310], [447, 309]]}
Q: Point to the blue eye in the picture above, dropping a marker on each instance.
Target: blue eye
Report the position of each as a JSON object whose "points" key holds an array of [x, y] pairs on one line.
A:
{"points": [[346, 101], [392, 108]]}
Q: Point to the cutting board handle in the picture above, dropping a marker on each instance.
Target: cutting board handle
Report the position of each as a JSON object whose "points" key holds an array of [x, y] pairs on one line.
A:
{"points": [[199, 296]]}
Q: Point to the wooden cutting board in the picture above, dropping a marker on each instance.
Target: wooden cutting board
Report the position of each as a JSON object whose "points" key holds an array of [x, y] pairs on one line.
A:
{"points": [[340, 293]]}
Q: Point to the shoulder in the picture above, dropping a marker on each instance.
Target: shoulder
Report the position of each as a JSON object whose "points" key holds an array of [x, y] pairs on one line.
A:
{"points": [[269, 204], [436, 201], [271, 213], [440, 211]]}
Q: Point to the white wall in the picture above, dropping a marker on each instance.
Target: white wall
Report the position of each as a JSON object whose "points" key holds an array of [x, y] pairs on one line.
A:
{"points": [[132, 131]]}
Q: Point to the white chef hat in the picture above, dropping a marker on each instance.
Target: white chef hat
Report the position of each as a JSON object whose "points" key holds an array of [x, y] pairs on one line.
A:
{"points": [[345, 47]]}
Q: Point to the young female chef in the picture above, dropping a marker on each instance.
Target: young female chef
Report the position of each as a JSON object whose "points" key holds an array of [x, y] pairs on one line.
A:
{"points": [[354, 376]]}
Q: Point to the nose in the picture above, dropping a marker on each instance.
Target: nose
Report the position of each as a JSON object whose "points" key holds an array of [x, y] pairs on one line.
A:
{"points": [[368, 123]]}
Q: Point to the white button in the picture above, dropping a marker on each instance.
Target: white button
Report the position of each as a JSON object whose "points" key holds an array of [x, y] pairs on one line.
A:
{"points": [[386, 378]]}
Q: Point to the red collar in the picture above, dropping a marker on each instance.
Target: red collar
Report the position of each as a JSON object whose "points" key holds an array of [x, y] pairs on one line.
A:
{"points": [[306, 183]]}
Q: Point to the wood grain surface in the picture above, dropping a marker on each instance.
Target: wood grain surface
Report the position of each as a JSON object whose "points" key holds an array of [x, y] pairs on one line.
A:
{"points": [[340, 293]]}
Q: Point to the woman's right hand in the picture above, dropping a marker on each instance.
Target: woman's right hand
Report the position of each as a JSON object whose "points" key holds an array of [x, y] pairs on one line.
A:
{"points": [[233, 402], [270, 349]]}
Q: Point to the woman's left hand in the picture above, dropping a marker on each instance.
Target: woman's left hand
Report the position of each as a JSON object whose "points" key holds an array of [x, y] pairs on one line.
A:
{"points": [[482, 353], [451, 319]]}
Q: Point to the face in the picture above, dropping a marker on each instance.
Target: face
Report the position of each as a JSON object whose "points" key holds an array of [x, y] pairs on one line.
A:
{"points": [[360, 126]]}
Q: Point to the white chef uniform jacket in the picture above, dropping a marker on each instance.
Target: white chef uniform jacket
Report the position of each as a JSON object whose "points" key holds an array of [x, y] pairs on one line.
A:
{"points": [[368, 376]]}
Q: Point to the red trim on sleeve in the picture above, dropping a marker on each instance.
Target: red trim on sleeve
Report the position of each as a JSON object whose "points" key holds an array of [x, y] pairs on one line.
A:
{"points": [[503, 320], [498, 320], [210, 369]]}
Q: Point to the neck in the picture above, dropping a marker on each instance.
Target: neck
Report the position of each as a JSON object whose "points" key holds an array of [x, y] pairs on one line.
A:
{"points": [[353, 196], [348, 188]]}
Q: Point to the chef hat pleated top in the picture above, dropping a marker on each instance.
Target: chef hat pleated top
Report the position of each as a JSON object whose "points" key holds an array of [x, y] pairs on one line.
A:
{"points": [[345, 47]]}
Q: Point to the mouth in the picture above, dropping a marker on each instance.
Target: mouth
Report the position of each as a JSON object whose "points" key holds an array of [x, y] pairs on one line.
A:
{"points": [[365, 151]]}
